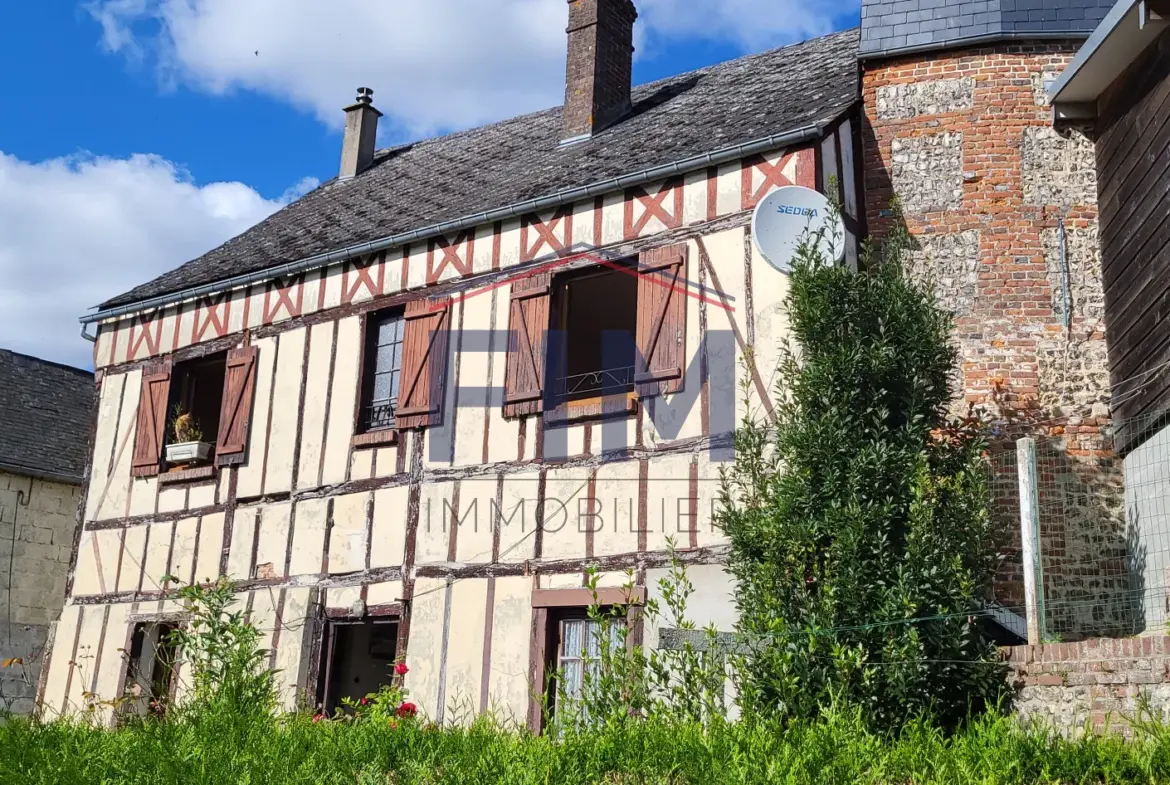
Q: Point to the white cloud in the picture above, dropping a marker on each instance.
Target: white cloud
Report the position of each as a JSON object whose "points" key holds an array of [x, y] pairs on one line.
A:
{"points": [[434, 64], [76, 231]]}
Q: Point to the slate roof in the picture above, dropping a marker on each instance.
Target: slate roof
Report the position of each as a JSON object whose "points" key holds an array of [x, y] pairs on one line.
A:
{"points": [[890, 26], [44, 417], [443, 179]]}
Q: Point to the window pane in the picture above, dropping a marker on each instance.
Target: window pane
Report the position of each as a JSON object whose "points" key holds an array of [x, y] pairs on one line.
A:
{"points": [[572, 638], [383, 388]]}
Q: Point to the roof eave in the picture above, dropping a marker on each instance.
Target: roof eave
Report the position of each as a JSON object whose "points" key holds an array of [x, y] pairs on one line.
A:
{"points": [[1124, 33], [785, 138]]}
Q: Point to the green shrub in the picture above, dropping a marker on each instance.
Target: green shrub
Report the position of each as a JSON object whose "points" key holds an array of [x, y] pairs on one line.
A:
{"points": [[858, 516]]}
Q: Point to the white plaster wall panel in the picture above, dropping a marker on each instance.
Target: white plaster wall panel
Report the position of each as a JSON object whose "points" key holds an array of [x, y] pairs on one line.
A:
{"points": [[332, 285], [60, 659], [729, 184], [563, 442], [347, 540], [199, 496], [508, 685], [465, 650], [251, 473], [158, 549], [86, 576], [576, 580], [416, 266], [726, 251], [109, 671], [477, 515], [772, 326], [710, 534], [532, 426], [236, 311], [316, 392], [88, 634], [613, 219], [116, 488], [263, 615], [172, 337], [385, 593], [668, 502], [273, 543], [342, 596], [102, 346], [172, 499], [239, 565], [503, 435], [616, 504], [183, 556], [426, 644], [695, 198], [389, 539], [392, 281], [291, 646], [475, 373], [432, 539], [566, 498], [104, 443], [311, 293], [343, 400], [254, 305], [361, 464], [386, 459], [210, 548], [285, 404], [133, 555], [518, 517]]}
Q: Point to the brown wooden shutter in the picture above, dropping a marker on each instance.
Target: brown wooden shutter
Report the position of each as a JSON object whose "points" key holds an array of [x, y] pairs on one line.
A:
{"points": [[152, 420], [662, 321], [235, 413], [527, 332], [424, 363]]}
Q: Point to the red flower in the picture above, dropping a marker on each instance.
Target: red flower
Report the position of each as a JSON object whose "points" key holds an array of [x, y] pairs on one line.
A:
{"points": [[400, 669], [364, 701], [318, 717], [407, 709]]}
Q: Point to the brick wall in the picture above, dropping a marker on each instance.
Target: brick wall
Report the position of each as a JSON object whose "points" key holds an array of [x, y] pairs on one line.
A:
{"points": [[1101, 682], [37, 521], [965, 140]]}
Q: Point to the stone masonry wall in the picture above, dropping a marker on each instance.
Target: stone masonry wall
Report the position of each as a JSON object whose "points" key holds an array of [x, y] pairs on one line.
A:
{"points": [[1099, 683], [37, 521], [965, 140]]}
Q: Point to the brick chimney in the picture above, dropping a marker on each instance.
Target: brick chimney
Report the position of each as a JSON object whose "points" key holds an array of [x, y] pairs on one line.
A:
{"points": [[361, 126], [600, 65]]}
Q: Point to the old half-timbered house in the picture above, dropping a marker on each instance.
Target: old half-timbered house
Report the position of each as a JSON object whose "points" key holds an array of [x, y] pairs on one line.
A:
{"points": [[387, 410]]}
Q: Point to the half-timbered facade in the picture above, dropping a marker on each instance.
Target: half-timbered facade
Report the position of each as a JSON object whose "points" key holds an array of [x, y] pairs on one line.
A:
{"points": [[410, 438]]}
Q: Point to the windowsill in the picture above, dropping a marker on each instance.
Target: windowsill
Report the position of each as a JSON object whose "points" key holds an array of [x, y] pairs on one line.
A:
{"points": [[196, 474], [384, 437], [593, 409]]}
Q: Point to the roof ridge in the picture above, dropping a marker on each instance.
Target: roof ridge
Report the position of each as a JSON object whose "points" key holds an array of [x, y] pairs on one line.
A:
{"points": [[43, 361]]}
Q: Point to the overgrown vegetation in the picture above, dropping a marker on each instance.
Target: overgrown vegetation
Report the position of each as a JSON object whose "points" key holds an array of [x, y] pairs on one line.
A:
{"points": [[859, 514]]}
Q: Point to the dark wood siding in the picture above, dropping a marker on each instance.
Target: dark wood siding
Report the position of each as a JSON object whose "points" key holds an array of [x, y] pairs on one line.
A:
{"points": [[1133, 173]]}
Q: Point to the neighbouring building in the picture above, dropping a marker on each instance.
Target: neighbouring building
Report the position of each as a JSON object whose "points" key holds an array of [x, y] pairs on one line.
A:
{"points": [[45, 419], [383, 410], [1118, 85]]}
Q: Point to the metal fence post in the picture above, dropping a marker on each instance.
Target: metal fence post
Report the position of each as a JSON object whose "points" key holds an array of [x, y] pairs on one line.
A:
{"points": [[1030, 539]]}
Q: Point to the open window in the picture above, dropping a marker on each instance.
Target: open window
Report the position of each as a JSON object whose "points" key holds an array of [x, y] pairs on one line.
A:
{"points": [[590, 343], [381, 377], [150, 669], [195, 412], [357, 658]]}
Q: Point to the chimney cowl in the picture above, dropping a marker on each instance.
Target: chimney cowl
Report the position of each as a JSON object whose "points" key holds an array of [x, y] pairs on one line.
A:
{"points": [[361, 131], [599, 66]]}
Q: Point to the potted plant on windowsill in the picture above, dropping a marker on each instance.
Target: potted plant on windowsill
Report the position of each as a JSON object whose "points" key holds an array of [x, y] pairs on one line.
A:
{"points": [[188, 446]]}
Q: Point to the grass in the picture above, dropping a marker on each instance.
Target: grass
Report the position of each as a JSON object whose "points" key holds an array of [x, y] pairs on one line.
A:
{"points": [[836, 749]]}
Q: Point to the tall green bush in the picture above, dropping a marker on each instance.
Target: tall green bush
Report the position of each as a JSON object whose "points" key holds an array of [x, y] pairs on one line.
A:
{"points": [[859, 514]]}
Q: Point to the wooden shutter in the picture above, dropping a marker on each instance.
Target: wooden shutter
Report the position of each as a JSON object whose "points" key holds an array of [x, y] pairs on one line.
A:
{"points": [[527, 333], [424, 363], [235, 413], [662, 321], [152, 420]]}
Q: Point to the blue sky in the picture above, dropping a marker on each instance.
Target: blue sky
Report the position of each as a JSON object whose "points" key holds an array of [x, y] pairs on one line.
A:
{"points": [[140, 133]]}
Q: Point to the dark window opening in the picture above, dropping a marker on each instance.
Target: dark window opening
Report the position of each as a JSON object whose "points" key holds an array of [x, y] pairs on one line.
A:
{"points": [[150, 669], [596, 312], [383, 368], [574, 649], [196, 398], [357, 658]]}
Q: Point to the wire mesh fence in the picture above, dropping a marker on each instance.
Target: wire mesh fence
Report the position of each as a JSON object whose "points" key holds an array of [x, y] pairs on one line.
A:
{"points": [[1102, 529]]}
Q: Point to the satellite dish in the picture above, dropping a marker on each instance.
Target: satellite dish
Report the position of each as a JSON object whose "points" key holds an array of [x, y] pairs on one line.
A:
{"points": [[784, 216]]}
